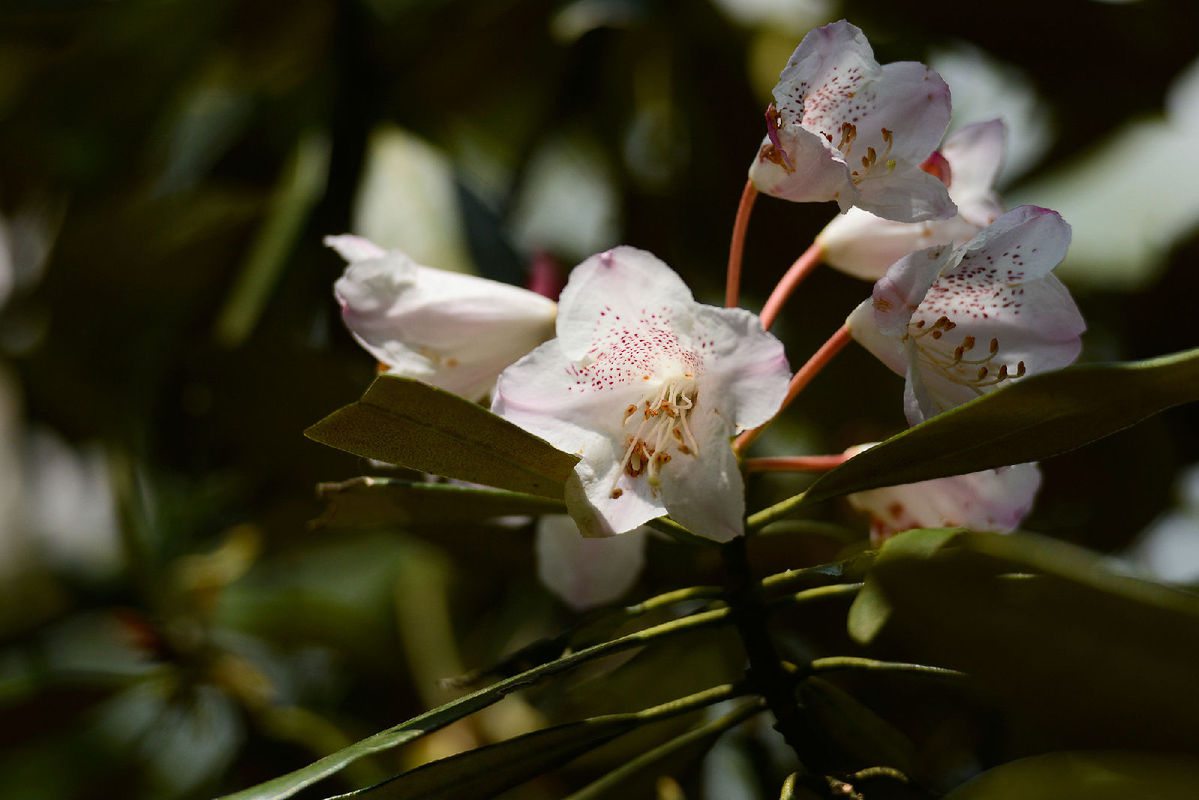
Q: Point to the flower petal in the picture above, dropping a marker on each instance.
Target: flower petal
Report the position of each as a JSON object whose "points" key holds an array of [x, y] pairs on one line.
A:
{"points": [[587, 572], [705, 492], [975, 154], [905, 195], [749, 367], [609, 291], [808, 170], [862, 245], [540, 393], [912, 102], [994, 500], [451, 330]]}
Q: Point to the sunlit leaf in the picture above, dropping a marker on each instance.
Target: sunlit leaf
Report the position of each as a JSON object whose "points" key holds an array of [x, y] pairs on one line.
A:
{"points": [[1031, 420], [406, 422]]}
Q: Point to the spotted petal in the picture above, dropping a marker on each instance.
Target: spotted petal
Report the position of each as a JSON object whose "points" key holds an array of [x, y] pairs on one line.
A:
{"points": [[995, 500]]}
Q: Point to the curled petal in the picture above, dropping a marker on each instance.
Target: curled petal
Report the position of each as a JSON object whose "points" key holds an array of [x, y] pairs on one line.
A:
{"points": [[451, 330], [975, 154]]}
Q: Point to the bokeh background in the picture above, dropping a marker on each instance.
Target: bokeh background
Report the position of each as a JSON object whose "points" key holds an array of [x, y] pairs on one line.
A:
{"points": [[171, 623]]}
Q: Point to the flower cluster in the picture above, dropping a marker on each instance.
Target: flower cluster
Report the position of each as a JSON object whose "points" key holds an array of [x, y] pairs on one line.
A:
{"points": [[650, 388]]}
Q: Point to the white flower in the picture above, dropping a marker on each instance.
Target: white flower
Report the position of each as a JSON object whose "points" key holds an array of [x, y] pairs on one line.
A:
{"points": [[995, 500], [647, 386], [844, 128], [958, 323], [454, 331], [863, 245], [587, 572]]}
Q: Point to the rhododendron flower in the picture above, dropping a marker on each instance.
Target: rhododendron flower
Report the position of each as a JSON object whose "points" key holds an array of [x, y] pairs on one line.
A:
{"points": [[995, 500], [844, 128], [958, 323], [647, 386], [864, 245], [454, 331], [587, 572]]}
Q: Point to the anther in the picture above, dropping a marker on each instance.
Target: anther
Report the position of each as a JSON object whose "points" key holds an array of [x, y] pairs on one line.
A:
{"points": [[994, 346], [1020, 370]]}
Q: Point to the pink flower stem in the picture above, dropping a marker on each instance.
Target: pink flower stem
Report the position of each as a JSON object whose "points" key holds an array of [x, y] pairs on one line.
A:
{"points": [[801, 379], [732, 290], [803, 266], [795, 463]]}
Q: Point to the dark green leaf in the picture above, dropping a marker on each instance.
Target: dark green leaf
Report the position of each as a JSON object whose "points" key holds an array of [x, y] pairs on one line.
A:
{"points": [[1030, 420], [853, 728], [487, 771], [1079, 655], [374, 502], [287, 785], [1087, 776], [406, 422]]}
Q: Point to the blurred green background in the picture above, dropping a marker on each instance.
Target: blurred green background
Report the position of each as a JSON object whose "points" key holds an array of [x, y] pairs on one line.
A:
{"points": [[172, 626]]}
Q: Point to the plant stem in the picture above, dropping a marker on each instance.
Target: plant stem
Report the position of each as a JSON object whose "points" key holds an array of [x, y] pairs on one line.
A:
{"points": [[766, 671], [803, 266], [835, 344], [794, 463], [732, 290]]}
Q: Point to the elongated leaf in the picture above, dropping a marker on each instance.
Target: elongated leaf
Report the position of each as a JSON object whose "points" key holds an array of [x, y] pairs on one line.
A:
{"points": [[1031, 420], [855, 729], [1078, 654], [487, 771], [1087, 776], [287, 785], [406, 422], [373, 502]]}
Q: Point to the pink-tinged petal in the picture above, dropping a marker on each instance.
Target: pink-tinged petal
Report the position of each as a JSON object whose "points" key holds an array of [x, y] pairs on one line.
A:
{"points": [[587, 572], [862, 245], [902, 290], [996, 316], [705, 493], [906, 194], [451, 330], [354, 248], [975, 154], [748, 365], [817, 84], [910, 101], [995, 500], [802, 168], [611, 293], [886, 347], [1025, 243]]}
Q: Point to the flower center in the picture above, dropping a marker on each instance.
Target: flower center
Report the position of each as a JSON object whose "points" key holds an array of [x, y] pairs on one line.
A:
{"points": [[661, 423], [962, 364]]}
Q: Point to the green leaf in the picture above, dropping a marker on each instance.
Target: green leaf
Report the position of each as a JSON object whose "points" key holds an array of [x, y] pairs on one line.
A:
{"points": [[685, 749], [1078, 654], [383, 502], [853, 728], [487, 771], [287, 785], [1030, 420], [1086, 776], [406, 422]]}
